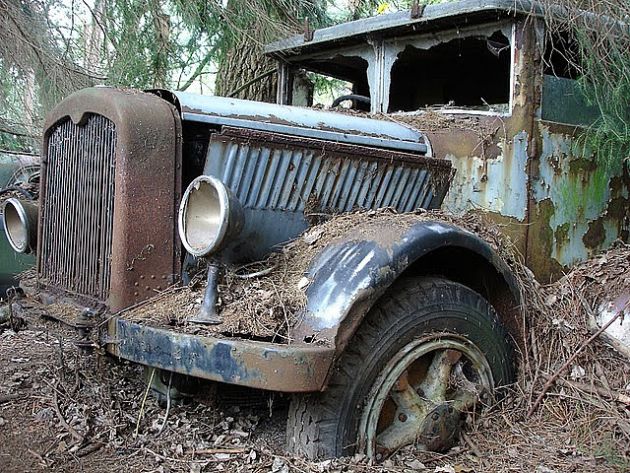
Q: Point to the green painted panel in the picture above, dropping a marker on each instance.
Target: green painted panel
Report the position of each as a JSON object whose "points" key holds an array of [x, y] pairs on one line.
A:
{"points": [[11, 263], [564, 102]]}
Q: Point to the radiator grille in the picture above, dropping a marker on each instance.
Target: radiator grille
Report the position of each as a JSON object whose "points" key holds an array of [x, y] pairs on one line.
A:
{"points": [[77, 212]]}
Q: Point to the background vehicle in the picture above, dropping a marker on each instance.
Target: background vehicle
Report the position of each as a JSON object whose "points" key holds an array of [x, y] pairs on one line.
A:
{"points": [[407, 323], [15, 170]]}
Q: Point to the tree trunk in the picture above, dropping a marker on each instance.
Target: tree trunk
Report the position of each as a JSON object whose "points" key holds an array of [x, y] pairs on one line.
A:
{"points": [[242, 64], [162, 28]]}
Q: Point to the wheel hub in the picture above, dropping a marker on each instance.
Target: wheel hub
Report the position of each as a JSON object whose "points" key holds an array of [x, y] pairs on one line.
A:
{"points": [[440, 428], [421, 394]]}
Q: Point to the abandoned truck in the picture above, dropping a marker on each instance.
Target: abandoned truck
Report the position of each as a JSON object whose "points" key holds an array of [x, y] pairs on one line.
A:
{"points": [[405, 327]]}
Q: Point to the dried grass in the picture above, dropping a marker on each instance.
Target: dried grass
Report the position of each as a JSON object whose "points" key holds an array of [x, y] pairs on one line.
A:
{"points": [[262, 300]]}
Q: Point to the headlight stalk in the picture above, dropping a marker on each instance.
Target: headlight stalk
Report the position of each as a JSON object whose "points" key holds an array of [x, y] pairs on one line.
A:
{"points": [[210, 217]]}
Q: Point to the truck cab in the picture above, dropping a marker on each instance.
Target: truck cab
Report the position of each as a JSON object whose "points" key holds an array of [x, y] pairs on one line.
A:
{"points": [[400, 320], [496, 96]]}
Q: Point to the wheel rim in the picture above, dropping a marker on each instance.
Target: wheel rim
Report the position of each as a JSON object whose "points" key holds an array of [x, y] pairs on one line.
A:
{"points": [[421, 394]]}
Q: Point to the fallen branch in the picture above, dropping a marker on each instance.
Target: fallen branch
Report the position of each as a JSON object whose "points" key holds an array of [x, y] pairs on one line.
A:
{"points": [[91, 448], [10, 397], [65, 424], [612, 395], [473, 447], [552, 379], [212, 451]]}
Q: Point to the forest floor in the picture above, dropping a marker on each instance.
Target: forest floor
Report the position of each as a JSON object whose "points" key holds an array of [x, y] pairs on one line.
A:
{"points": [[61, 411], [65, 408]]}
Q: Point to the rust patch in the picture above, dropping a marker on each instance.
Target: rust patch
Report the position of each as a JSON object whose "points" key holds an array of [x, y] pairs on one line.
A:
{"points": [[541, 242], [596, 234], [148, 139]]}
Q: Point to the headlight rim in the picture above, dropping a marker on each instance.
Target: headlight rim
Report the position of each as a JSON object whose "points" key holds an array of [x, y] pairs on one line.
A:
{"points": [[224, 212], [21, 212]]}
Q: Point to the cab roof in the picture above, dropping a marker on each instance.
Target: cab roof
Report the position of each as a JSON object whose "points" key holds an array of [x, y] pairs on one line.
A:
{"points": [[432, 17]]}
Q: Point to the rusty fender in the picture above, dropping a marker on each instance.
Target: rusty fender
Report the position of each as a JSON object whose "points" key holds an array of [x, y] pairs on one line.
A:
{"points": [[271, 366], [349, 275], [346, 278]]}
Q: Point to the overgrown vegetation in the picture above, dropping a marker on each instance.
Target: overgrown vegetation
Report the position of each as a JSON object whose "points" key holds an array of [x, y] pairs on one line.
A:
{"points": [[602, 62], [51, 48]]}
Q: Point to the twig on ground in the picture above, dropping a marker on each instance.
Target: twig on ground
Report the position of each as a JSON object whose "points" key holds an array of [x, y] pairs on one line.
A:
{"points": [[211, 451], [144, 400], [10, 397], [91, 448], [567, 363], [473, 447], [612, 395], [168, 405], [65, 424]]}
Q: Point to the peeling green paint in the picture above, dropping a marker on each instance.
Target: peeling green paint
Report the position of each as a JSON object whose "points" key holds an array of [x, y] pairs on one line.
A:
{"points": [[581, 192], [495, 185]]}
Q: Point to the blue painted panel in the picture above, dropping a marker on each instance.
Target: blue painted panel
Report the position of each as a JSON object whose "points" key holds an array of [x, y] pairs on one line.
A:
{"points": [[274, 181]]}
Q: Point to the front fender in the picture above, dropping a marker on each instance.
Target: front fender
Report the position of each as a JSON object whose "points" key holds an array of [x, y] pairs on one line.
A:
{"points": [[349, 275]]}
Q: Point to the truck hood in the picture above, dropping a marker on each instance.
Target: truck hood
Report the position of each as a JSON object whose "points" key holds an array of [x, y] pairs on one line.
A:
{"points": [[298, 121]]}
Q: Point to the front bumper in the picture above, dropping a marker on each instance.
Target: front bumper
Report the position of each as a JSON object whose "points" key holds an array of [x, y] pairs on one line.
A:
{"points": [[271, 366]]}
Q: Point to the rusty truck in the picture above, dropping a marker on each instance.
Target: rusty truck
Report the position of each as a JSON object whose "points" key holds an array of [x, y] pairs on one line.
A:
{"points": [[462, 106]]}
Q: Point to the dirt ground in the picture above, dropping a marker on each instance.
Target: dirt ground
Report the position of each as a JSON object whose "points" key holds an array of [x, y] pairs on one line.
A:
{"points": [[65, 407], [64, 411]]}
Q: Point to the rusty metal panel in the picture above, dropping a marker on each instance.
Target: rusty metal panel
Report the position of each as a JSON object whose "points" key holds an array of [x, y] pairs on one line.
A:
{"points": [[403, 22], [350, 274], [299, 121], [264, 177], [100, 255], [285, 368], [495, 183], [78, 213], [583, 205]]}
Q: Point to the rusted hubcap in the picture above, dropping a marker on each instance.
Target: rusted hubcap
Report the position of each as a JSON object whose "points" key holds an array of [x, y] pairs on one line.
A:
{"points": [[421, 394]]}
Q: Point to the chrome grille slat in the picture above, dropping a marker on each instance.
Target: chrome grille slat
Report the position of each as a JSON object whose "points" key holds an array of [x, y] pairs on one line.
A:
{"points": [[77, 211]]}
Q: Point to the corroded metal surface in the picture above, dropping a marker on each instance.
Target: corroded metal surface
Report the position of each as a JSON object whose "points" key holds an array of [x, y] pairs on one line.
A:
{"points": [[15, 169], [513, 166], [584, 203], [350, 274], [287, 368], [299, 121], [77, 216], [148, 135], [404, 22]]}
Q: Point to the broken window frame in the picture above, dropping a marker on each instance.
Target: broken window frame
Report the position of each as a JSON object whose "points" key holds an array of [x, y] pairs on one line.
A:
{"points": [[287, 70], [395, 46], [382, 53]]}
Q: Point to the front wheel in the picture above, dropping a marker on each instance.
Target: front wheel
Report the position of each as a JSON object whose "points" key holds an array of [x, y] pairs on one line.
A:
{"points": [[429, 351]]}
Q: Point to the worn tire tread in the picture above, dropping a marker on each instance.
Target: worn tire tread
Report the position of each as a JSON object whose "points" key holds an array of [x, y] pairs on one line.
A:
{"points": [[315, 419]]}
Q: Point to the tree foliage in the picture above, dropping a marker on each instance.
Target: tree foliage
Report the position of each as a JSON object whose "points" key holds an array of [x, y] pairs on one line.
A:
{"points": [[602, 61], [35, 70], [50, 48]]}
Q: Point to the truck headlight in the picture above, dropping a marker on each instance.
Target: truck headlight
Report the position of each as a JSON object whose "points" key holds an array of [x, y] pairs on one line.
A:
{"points": [[209, 216], [20, 225]]}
